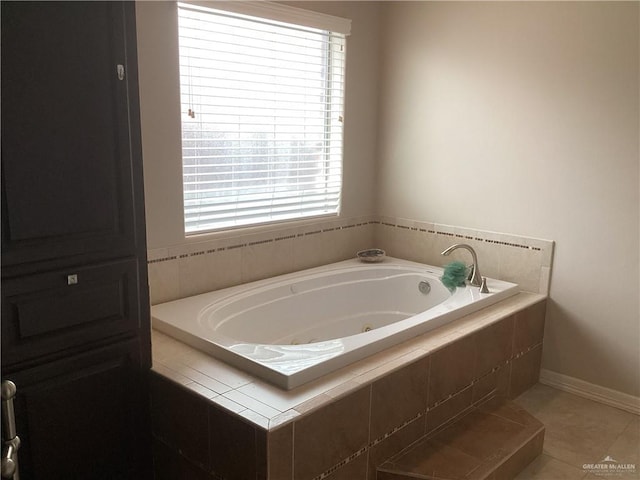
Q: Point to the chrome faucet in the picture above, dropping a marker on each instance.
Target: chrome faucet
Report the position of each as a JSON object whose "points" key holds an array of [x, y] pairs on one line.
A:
{"points": [[475, 278]]}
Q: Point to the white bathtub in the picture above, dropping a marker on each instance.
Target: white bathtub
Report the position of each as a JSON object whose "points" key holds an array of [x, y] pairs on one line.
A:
{"points": [[294, 328]]}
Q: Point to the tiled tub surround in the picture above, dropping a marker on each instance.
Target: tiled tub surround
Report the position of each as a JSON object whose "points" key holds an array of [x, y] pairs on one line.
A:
{"points": [[522, 260], [198, 267], [204, 266], [212, 421]]}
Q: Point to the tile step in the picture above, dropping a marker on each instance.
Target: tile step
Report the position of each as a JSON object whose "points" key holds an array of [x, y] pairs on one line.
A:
{"points": [[493, 442]]}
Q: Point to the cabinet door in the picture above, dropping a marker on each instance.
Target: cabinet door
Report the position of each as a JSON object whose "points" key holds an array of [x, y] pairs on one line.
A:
{"points": [[68, 72], [54, 313], [83, 417]]}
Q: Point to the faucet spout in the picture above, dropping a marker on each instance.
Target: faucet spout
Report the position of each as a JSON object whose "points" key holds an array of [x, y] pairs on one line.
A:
{"points": [[475, 278]]}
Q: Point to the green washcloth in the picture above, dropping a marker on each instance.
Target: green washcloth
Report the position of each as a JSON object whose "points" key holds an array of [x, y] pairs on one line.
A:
{"points": [[455, 275]]}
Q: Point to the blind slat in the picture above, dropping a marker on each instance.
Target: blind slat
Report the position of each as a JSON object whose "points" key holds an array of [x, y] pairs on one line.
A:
{"points": [[230, 210], [245, 191], [231, 206], [248, 176], [260, 213], [274, 164]]}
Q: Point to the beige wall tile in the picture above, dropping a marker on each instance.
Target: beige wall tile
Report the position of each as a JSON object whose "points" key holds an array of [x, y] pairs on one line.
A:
{"points": [[157, 253], [493, 346], [520, 459], [439, 245], [398, 397], [330, 434], [525, 371], [386, 366], [511, 411], [324, 244], [354, 239], [432, 458], [482, 435], [488, 257], [356, 469], [452, 368], [200, 268], [266, 260], [208, 272], [494, 383], [545, 280], [394, 443], [406, 243], [312, 250], [280, 453], [164, 284], [529, 327], [521, 266], [237, 448], [449, 409]]}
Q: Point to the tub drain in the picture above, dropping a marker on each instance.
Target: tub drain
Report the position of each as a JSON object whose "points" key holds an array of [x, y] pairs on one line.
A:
{"points": [[366, 328], [424, 287]]}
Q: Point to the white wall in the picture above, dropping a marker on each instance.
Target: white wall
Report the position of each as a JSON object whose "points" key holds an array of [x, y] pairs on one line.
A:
{"points": [[160, 116], [523, 117]]}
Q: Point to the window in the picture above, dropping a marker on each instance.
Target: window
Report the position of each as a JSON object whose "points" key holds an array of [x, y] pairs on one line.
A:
{"points": [[262, 118]]}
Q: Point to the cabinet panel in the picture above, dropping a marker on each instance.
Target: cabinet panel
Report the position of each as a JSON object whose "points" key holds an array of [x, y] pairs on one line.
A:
{"points": [[66, 156], [79, 418], [58, 310], [75, 315]]}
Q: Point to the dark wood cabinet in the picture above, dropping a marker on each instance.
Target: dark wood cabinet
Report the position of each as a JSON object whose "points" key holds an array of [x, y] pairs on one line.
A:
{"points": [[79, 416], [66, 136], [75, 302]]}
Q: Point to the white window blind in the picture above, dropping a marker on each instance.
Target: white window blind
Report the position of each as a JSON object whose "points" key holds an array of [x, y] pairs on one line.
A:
{"points": [[262, 119]]}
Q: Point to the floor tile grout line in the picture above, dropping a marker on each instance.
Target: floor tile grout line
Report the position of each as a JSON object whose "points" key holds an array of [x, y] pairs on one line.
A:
{"points": [[579, 467], [631, 419]]}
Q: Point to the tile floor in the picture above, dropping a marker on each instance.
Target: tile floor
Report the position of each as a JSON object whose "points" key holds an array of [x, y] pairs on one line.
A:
{"points": [[578, 432]]}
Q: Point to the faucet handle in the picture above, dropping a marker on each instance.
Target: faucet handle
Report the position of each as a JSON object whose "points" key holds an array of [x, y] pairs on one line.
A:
{"points": [[472, 269], [483, 286]]}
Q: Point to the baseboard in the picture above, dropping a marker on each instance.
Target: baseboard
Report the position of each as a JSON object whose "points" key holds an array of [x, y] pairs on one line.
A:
{"points": [[591, 391]]}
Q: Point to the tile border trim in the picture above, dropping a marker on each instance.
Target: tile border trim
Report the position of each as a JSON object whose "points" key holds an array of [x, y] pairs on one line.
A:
{"points": [[291, 233], [287, 233], [479, 236]]}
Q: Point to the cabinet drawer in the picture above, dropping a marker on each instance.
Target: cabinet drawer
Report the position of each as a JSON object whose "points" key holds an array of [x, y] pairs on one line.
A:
{"points": [[54, 311]]}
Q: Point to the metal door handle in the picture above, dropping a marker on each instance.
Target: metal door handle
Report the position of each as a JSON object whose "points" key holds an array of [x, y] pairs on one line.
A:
{"points": [[10, 439]]}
